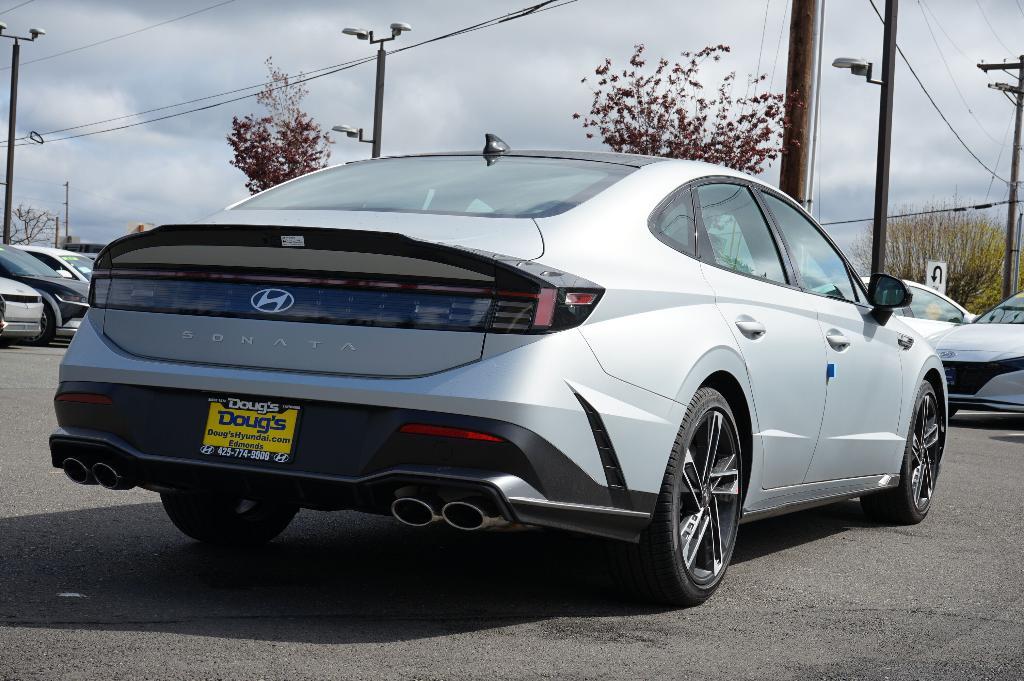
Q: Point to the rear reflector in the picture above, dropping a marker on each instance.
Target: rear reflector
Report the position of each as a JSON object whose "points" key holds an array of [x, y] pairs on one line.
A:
{"points": [[84, 398], [445, 431]]}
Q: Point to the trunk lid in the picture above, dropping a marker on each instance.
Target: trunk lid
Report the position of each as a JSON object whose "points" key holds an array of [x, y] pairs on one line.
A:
{"points": [[347, 301]]}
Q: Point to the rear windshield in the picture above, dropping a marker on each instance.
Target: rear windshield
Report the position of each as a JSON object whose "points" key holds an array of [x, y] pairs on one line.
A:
{"points": [[510, 186]]}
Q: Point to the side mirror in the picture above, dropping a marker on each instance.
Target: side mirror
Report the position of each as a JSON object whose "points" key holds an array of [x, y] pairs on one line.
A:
{"points": [[65, 274], [887, 293]]}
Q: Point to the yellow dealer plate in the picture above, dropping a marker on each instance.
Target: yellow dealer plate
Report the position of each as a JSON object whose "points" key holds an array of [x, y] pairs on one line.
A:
{"points": [[252, 430]]}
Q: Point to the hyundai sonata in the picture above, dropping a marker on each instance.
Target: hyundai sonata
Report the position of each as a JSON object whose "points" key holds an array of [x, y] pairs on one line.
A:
{"points": [[646, 350]]}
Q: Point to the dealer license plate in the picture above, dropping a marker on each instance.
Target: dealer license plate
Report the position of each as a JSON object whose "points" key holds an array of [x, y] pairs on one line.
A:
{"points": [[251, 430]]}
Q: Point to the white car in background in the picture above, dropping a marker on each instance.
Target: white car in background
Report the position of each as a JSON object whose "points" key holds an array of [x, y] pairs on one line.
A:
{"points": [[21, 311], [984, 361], [67, 264], [931, 313]]}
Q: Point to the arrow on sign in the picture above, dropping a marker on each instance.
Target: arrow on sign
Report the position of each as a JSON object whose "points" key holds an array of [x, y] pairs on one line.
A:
{"points": [[937, 275]]}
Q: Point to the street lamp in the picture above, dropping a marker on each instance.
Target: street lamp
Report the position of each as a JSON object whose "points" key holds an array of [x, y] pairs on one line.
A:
{"points": [[12, 115], [355, 133], [397, 29], [862, 67]]}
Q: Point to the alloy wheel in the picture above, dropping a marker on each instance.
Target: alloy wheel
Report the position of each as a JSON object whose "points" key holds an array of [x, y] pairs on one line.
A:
{"points": [[925, 452], [710, 497]]}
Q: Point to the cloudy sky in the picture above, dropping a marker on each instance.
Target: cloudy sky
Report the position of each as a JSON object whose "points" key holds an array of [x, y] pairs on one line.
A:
{"points": [[520, 79]]}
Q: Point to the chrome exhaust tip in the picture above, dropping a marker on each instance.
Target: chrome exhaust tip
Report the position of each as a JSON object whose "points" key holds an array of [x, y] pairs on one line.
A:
{"points": [[414, 512], [78, 472], [108, 477], [468, 516]]}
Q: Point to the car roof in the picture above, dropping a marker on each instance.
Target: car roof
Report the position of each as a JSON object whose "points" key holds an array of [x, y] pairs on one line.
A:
{"points": [[49, 250], [632, 160]]}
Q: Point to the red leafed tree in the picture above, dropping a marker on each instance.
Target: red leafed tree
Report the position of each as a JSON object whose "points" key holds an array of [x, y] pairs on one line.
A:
{"points": [[282, 144], [665, 112]]}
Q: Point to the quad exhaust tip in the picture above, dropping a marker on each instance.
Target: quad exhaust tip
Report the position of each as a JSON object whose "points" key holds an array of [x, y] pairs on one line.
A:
{"points": [[78, 472], [469, 516], [414, 512], [106, 476]]}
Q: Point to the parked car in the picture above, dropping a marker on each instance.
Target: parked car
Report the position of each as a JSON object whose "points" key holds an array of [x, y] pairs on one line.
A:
{"points": [[931, 313], [67, 264], [66, 300], [635, 348], [21, 312], [984, 361]]}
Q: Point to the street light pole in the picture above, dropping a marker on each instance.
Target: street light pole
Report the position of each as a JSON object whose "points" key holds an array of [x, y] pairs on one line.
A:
{"points": [[397, 29], [12, 117], [378, 101], [884, 139], [862, 67]]}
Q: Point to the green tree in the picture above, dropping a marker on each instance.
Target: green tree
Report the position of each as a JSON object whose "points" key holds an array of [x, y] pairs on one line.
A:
{"points": [[971, 242]]}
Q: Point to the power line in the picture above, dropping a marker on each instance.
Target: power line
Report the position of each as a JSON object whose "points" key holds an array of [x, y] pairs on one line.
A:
{"points": [[959, 209], [991, 28], [935, 105], [123, 35], [318, 73], [11, 9], [778, 45], [1002, 148], [949, 72]]}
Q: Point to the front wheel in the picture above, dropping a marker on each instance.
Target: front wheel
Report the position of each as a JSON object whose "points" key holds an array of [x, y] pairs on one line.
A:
{"points": [[908, 503], [683, 554], [227, 521]]}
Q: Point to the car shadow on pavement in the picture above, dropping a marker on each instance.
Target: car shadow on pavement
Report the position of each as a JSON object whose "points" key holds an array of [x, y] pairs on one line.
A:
{"points": [[330, 578], [772, 535], [988, 421]]}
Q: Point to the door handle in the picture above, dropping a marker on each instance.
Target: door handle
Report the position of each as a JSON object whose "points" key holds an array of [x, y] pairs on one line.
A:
{"points": [[838, 341], [751, 328]]}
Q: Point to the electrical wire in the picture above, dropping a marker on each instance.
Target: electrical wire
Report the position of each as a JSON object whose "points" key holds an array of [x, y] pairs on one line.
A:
{"points": [[1002, 148], [11, 9], [952, 79], [778, 45], [959, 209], [936, 106], [123, 35], [991, 27], [312, 75]]}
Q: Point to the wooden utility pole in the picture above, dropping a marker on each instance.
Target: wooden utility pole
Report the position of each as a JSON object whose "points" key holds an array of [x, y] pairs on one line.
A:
{"points": [[799, 83], [1011, 263], [56, 234]]}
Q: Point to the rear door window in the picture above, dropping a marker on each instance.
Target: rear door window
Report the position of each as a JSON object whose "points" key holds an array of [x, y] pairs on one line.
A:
{"points": [[739, 234], [927, 305]]}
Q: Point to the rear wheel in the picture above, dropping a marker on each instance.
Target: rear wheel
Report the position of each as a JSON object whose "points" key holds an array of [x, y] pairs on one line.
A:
{"points": [[47, 331], [227, 521], [908, 503], [682, 556]]}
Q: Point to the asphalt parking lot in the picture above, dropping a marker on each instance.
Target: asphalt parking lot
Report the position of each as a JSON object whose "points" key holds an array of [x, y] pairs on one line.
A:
{"points": [[99, 585]]}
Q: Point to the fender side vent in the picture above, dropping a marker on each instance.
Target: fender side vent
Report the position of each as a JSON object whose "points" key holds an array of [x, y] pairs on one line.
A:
{"points": [[610, 462]]}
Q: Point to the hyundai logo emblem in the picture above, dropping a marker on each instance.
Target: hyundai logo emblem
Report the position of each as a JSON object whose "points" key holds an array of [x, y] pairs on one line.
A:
{"points": [[272, 300], [947, 354]]}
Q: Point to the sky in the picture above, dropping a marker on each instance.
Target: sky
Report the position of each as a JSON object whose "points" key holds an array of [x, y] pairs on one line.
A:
{"points": [[520, 79]]}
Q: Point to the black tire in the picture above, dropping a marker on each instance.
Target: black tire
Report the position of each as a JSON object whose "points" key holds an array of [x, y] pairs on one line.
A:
{"points": [[675, 563], [952, 412], [227, 521], [908, 503], [48, 331]]}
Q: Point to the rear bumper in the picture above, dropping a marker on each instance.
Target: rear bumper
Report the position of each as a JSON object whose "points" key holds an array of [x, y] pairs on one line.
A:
{"points": [[347, 457]]}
